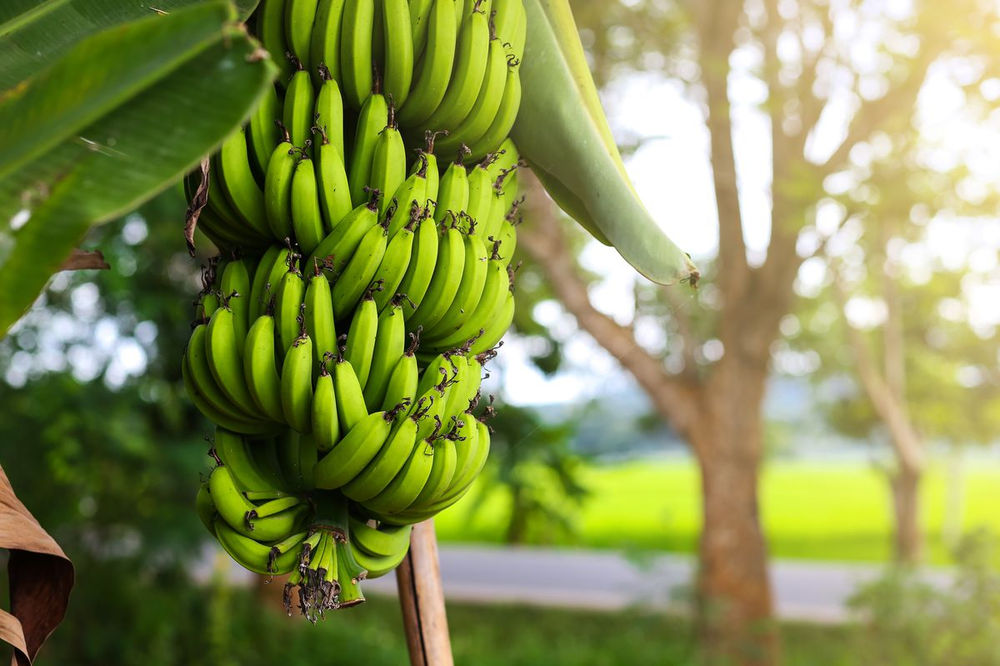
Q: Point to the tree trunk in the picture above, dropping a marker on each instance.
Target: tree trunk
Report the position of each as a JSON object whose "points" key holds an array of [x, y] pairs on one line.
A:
{"points": [[906, 504], [735, 607]]}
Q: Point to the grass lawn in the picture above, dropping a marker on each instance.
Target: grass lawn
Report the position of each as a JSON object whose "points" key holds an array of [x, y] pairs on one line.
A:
{"points": [[811, 510]]}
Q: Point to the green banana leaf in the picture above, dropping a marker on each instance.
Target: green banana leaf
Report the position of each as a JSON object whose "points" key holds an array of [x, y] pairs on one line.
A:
{"points": [[562, 133], [34, 33], [119, 118]]}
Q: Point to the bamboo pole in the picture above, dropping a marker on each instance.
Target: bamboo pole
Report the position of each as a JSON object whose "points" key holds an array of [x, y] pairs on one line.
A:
{"points": [[421, 598]]}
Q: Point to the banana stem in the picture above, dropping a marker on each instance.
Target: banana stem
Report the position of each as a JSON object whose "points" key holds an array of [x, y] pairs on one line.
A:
{"points": [[421, 597]]}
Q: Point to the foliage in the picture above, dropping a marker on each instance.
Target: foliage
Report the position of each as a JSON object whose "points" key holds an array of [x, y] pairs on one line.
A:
{"points": [[94, 403], [813, 510], [121, 618], [910, 621], [531, 460], [78, 149]]}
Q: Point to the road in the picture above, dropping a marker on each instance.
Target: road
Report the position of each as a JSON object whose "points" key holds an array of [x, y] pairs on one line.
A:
{"points": [[600, 580]]}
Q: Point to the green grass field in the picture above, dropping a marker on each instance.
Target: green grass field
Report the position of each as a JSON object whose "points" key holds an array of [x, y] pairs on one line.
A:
{"points": [[811, 510]]}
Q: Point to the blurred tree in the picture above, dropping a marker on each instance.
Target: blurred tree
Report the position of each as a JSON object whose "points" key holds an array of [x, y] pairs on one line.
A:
{"points": [[95, 405], [920, 367], [819, 83]]}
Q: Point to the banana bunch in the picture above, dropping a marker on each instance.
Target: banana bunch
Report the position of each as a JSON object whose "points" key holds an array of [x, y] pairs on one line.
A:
{"points": [[445, 64], [341, 335]]}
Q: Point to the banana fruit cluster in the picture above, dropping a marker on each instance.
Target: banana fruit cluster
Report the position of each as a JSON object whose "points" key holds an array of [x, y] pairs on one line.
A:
{"points": [[341, 335]]}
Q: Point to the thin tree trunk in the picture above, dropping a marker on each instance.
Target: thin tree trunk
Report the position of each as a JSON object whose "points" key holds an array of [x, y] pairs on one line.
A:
{"points": [[906, 504], [734, 595]]}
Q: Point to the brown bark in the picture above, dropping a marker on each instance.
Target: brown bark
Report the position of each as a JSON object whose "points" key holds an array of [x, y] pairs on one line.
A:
{"points": [[906, 505], [886, 392], [735, 606]]}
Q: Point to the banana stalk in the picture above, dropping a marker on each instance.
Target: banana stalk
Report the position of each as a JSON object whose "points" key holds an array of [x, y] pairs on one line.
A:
{"points": [[562, 133]]}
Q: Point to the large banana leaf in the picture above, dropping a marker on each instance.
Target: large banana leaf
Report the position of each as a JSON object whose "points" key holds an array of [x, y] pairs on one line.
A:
{"points": [[121, 116], [34, 33], [562, 133]]}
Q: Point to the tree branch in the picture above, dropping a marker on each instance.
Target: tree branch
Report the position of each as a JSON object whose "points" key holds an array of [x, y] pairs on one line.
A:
{"points": [[716, 27], [891, 411]]}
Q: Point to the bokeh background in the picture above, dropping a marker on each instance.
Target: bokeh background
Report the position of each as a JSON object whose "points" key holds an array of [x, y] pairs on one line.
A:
{"points": [[829, 395]]}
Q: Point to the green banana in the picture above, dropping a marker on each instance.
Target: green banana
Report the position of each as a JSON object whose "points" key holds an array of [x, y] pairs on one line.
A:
{"points": [[394, 262], [442, 471], [336, 250], [372, 119], [334, 190], [278, 189], [350, 396], [361, 335], [299, 17], [271, 29], [325, 43], [236, 424], [453, 191], [259, 284], [401, 388], [318, 316], [307, 221], [381, 541], [356, 278], [397, 38], [423, 258], [356, 57], [349, 574], [297, 385], [445, 281], [235, 287], [472, 128], [297, 113], [408, 199], [257, 557], [388, 167], [264, 133], [386, 464], [288, 307], [433, 72], [238, 182], [325, 422], [503, 121], [470, 290], [471, 58], [353, 453], [480, 202], [420, 13], [496, 328], [389, 344], [329, 110], [231, 448], [225, 359], [408, 483], [378, 566], [239, 512], [261, 370]]}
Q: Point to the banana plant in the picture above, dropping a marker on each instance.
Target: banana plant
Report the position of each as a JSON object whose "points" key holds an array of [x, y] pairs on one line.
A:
{"points": [[563, 134], [96, 121]]}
